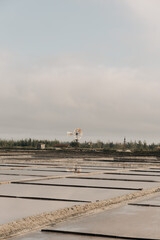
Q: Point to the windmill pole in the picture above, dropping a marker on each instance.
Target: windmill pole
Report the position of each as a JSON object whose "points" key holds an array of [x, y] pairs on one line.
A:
{"points": [[124, 144]]}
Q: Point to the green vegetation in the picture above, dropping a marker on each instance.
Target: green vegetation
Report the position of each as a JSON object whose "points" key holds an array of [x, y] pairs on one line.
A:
{"points": [[109, 146], [26, 143]]}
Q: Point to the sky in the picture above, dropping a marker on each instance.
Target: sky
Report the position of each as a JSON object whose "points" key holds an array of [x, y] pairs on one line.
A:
{"points": [[89, 64]]}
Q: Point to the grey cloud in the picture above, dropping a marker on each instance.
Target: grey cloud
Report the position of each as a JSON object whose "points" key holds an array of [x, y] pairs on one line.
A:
{"points": [[50, 99]]}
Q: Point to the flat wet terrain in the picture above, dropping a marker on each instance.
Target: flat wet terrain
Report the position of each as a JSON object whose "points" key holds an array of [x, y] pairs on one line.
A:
{"points": [[97, 183], [31, 185], [57, 236], [61, 193], [127, 221], [13, 208]]}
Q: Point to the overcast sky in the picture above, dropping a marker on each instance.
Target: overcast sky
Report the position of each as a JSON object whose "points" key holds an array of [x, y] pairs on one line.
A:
{"points": [[91, 64]]}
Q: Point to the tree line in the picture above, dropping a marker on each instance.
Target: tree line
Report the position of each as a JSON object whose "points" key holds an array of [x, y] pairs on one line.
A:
{"points": [[33, 143]]}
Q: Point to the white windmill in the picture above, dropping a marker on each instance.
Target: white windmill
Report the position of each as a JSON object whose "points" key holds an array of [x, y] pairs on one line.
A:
{"points": [[77, 133]]}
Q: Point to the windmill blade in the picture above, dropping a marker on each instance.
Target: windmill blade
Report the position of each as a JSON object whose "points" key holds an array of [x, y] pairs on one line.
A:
{"points": [[69, 134]]}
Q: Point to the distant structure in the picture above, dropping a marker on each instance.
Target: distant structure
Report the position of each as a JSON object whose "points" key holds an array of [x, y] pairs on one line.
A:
{"points": [[60, 145], [77, 133], [124, 144], [90, 144], [41, 146]]}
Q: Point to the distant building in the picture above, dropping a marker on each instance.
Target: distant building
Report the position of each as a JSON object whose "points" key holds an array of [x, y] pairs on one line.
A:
{"points": [[123, 150], [41, 146], [61, 145]]}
